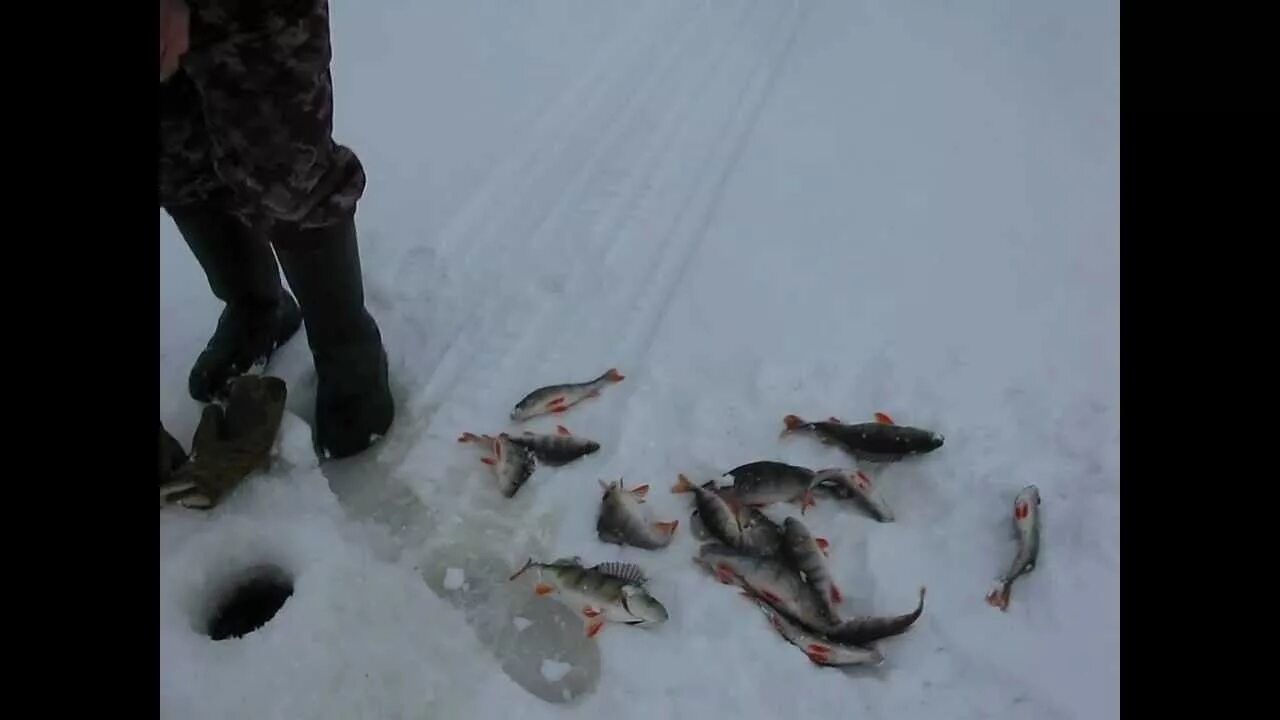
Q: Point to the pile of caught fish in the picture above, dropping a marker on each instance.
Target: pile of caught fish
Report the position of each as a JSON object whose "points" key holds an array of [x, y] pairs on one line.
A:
{"points": [[781, 568]]}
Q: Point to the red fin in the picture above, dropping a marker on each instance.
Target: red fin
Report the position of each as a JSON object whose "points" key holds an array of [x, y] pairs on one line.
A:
{"points": [[807, 501], [467, 437], [563, 430], [543, 589], [590, 612], [488, 461], [682, 485], [667, 527], [1021, 510], [773, 599], [836, 597], [615, 376], [559, 410], [793, 422], [819, 654], [594, 627], [640, 490], [554, 402], [999, 598], [724, 574], [822, 544], [884, 419]]}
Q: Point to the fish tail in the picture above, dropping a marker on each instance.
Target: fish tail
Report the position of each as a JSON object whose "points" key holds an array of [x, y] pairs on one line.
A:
{"points": [[520, 572], [612, 375], [682, 485], [997, 598], [793, 423]]}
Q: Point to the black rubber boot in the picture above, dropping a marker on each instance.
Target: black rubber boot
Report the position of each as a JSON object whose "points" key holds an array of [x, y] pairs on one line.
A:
{"points": [[353, 396], [259, 316]]}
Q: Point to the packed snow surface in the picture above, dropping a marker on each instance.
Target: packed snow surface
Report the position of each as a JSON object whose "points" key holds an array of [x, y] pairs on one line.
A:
{"points": [[750, 208], [454, 578]]}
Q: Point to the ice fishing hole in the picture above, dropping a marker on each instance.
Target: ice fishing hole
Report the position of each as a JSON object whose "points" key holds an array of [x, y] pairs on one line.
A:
{"points": [[249, 602]]}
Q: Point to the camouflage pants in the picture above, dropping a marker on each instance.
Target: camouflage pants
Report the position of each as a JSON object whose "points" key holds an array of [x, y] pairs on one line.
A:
{"points": [[248, 119]]}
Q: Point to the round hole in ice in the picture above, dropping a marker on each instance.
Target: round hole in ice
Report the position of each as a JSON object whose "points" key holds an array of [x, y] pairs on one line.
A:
{"points": [[249, 602]]}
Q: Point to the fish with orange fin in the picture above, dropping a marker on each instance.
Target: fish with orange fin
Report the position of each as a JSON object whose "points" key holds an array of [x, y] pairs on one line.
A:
{"points": [[808, 555], [819, 650], [512, 463], [623, 520], [771, 580], [764, 482], [716, 513], [555, 399], [880, 441], [558, 448], [609, 592], [857, 485], [1026, 523], [719, 512]]}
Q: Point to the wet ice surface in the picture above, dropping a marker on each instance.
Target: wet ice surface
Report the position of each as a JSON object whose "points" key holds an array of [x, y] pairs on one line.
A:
{"points": [[750, 209]]}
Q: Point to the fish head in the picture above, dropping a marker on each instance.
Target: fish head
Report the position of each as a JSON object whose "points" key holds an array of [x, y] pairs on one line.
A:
{"points": [[934, 441], [833, 476], [642, 607]]}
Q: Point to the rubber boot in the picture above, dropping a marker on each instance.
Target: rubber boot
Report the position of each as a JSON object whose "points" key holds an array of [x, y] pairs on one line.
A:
{"points": [[353, 396], [259, 316], [172, 456]]}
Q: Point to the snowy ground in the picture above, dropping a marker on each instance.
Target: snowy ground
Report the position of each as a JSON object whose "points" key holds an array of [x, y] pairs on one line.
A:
{"points": [[750, 208]]}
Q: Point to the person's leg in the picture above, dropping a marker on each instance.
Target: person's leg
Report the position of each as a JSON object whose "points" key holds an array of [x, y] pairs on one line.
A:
{"points": [[259, 314], [263, 74]]}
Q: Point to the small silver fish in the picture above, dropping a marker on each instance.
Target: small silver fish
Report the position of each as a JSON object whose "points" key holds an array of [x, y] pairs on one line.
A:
{"points": [[773, 581], [808, 555], [623, 521], [559, 398], [1026, 522], [867, 629], [855, 484], [608, 592], [879, 441], [820, 650]]}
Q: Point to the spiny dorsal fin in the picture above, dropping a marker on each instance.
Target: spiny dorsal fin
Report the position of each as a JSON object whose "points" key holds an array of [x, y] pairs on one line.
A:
{"points": [[574, 560], [623, 571]]}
